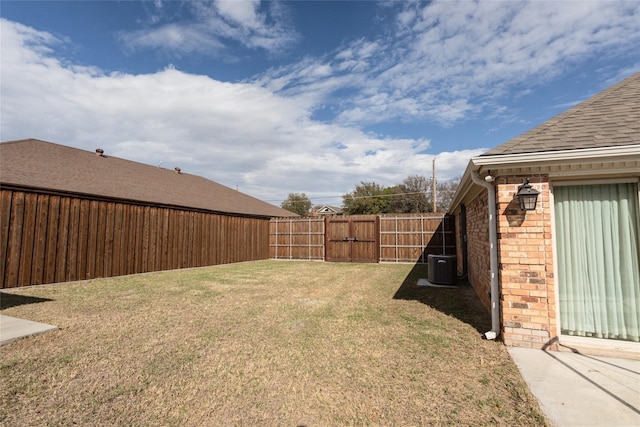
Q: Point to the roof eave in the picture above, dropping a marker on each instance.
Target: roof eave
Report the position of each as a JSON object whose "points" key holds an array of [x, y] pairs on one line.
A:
{"points": [[540, 160], [561, 156], [465, 186], [74, 194]]}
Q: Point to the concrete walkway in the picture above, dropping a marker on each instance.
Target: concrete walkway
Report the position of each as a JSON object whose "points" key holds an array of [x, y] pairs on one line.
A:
{"points": [[578, 390], [12, 328]]}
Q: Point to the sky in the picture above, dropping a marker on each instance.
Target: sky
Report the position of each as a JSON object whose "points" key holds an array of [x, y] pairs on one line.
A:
{"points": [[315, 97]]}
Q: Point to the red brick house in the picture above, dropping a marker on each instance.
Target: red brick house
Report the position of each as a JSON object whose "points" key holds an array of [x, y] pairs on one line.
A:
{"points": [[567, 272]]}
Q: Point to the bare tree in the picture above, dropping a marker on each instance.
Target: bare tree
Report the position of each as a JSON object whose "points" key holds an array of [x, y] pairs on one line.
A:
{"points": [[411, 196], [445, 192]]}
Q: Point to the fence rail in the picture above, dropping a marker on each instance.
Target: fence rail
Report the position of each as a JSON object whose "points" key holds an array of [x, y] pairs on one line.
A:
{"points": [[296, 238], [47, 238], [403, 238], [412, 238]]}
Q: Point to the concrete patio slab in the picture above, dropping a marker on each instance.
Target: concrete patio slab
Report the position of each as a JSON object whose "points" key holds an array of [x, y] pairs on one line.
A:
{"points": [[12, 328], [425, 282], [574, 389]]}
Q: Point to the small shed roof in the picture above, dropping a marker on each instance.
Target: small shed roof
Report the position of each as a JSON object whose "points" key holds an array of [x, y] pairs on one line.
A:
{"points": [[608, 119], [52, 167]]}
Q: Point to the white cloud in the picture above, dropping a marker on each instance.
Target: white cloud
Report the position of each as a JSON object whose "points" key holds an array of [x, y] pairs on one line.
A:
{"points": [[438, 62], [213, 25], [244, 13], [238, 134], [446, 60], [180, 38]]}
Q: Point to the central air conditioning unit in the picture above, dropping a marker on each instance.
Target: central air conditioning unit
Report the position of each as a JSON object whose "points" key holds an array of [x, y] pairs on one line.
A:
{"points": [[442, 269]]}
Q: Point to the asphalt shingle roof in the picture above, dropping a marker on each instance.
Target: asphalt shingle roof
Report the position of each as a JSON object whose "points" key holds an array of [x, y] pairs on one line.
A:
{"points": [[48, 166], [609, 118]]}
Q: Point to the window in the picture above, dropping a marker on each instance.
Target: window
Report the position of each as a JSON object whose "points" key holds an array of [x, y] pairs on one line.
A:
{"points": [[597, 240]]}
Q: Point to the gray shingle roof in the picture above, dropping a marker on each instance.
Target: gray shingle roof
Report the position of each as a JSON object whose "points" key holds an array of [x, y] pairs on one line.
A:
{"points": [[48, 166], [609, 118]]}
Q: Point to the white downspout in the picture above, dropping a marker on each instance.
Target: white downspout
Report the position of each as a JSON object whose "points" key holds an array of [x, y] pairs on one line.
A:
{"points": [[493, 255]]}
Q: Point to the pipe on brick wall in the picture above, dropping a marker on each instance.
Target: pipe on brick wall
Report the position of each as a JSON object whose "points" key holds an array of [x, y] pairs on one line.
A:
{"points": [[493, 256]]}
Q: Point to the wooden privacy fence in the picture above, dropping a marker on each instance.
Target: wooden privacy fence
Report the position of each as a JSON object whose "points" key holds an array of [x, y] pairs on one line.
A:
{"points": [[296, 238], [48, 238], [402, 238]]}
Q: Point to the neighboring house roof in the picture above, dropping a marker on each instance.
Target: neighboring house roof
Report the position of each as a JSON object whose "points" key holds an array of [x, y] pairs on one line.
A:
{"points": [[327, 210], [51, 167], [610, 118]]}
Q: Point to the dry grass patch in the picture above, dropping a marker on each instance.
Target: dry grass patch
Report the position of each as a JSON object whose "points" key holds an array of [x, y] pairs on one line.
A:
{"points": [[261, 343]]}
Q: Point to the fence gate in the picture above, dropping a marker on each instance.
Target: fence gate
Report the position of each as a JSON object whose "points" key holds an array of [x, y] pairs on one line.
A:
{"points": [[352, 239]]}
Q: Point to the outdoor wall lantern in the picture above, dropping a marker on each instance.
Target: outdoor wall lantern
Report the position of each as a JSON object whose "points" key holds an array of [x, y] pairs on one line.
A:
{"points": [[528, 196]]}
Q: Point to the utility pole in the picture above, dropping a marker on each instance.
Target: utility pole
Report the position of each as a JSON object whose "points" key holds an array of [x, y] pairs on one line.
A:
{"points": [[433, 182]]}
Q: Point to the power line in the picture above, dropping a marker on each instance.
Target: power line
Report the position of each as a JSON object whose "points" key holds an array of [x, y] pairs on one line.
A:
{"points": [[387, 195], [353, 197]]}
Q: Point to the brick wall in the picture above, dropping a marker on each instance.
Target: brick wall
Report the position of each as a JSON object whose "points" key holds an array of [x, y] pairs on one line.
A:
{"points": [[525, 261], [478, 247], [526, 265]]}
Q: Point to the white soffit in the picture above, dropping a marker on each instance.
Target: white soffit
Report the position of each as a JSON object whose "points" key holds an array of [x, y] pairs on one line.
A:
{"points": [[588, 162], [628, 154]]}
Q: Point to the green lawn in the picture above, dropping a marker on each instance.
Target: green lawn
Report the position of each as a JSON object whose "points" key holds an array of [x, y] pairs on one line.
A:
{"points": [[262, 343]]}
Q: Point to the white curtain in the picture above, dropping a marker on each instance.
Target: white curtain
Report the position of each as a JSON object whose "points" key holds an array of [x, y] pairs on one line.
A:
{"points": [[597, 240]]}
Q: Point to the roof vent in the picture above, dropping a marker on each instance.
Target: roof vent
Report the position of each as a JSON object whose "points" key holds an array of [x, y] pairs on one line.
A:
{"points": [[177, 169], [99, 152]]}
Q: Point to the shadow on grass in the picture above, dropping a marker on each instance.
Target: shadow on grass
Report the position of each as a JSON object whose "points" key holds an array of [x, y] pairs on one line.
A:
{"points": [[460, 302], [8, 300]]}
